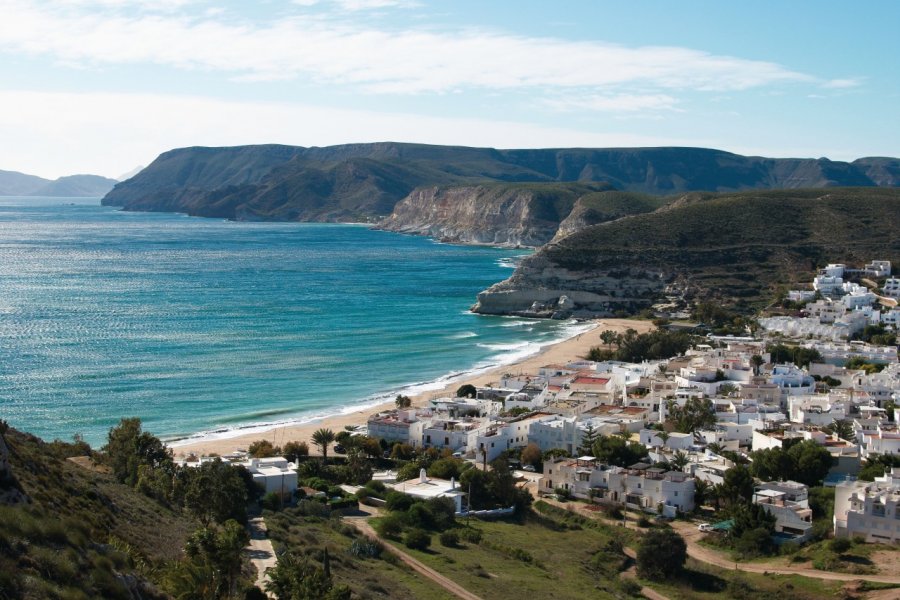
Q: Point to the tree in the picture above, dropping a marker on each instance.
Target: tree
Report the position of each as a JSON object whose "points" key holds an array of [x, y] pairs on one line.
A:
{"points": [[417, 539], [466, 391], [588, 437], [402, 401], [608, 336], [531, 455], [772, 464], [263, 449], [737, 487], [322, 438], [614, 450], [680, 461], [216, 491], [661, 555], [220, 548], [697, 413], [128, 448], [813, 462], [300, 579], [702, 493], [843, 429], [757, 362], [877, 465], [294, 451]]}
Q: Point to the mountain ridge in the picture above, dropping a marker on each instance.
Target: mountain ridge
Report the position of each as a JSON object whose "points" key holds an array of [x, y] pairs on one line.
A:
{"points": [[14, 183], [354, 182]]}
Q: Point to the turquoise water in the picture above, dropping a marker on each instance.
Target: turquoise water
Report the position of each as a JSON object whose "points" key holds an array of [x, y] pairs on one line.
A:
{"points": [[201, 326]]}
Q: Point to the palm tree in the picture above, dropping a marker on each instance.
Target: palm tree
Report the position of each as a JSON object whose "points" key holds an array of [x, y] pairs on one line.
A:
{"points": [[402, 401], [757, 361], [715, 447], [680, 461], [701, 493], [322, 438]]}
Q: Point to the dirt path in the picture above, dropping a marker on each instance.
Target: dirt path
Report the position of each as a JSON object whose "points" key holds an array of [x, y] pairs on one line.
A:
{"points": [[261, 552], [416, 565], [631, 573], [691, 536]]}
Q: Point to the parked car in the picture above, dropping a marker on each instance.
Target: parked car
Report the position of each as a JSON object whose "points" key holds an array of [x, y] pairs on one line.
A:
{"points": [[705, 527], [340, 449], [529, 468]]}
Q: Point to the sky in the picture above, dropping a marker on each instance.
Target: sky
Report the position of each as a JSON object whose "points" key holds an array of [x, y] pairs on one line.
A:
{"points": [[103, 86]]}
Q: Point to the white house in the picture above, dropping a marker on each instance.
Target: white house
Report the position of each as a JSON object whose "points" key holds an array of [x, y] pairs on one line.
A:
{"points": [[640, 486], [869, 509], [674, 440], [788, 501], [425, 488], [273, 474], [891, 287], [403, 426]]}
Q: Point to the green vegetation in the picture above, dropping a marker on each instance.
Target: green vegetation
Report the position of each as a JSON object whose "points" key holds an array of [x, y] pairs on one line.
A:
{"points": [[877, 465], [83, 534], [358, 562], [858, 362], [735, 249], [466, 390], [797, 355], [697, 413], [634, 347], [701, 581], [323, 438], [661, 555], [806, 462], [878, 335], [543, 555]]}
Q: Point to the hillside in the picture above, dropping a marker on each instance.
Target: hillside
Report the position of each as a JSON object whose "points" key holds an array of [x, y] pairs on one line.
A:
{"points": [[731, 247], [365, 181], [13, 183], [79, 534]]}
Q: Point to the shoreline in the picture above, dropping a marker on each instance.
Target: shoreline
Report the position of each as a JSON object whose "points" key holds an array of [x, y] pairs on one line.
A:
{"points": [[565, 350]]}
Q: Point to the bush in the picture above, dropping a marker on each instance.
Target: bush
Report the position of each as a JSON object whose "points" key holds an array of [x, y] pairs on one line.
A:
{"points": [[449, 539], [859, 539], [271, 501], [417, 539], [364, 547], [562, 493], [631, 587], [390, 526], [471, 535], [643, 521], [313, 508], [840, 545], [661, 555], [398, 501]]}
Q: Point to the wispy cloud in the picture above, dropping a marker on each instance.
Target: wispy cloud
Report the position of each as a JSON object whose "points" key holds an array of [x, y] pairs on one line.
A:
{"points": [[838, 84], [612, 102], [343, 51]]}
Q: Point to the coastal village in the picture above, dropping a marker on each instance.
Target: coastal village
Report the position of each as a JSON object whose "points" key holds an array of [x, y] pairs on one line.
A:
{"points": [[767, 422]]}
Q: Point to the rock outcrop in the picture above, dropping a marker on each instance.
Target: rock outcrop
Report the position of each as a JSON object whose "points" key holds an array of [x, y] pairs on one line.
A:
{"points": [[496, 214]]}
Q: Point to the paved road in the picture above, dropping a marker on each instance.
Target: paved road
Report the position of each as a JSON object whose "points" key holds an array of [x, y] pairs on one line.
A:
{"points": [[419, 567], [261, 552]]}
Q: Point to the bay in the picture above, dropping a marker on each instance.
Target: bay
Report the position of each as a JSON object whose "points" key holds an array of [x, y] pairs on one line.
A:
{"points": [[201, 325]]}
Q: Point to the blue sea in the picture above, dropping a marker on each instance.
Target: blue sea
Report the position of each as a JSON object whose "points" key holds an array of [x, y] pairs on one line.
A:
{"points": [[203, 327]]}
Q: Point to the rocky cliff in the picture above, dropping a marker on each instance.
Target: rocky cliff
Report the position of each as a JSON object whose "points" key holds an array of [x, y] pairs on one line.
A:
{"points": [[496, 214], [730, 248]]}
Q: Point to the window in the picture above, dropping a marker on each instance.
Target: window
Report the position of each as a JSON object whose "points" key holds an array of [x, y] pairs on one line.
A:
{"points": [[676, 494]]}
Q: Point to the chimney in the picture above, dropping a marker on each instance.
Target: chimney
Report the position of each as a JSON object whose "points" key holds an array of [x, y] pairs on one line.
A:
{"points": [[422, 477]]}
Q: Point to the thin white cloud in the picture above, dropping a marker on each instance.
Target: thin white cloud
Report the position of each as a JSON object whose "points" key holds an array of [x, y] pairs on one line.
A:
{"points": [[838, 84], [108, 133], [344, 52], [612, 103]]}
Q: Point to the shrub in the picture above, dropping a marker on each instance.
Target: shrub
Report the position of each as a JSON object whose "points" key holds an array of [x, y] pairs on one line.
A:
{"points": [[417, 539], [471, 535], [376, 488], [631, 587], [271, 501], [398, 501], [859, 539], [390, 526], [365, 547], [643, 521], [662, 555], [449, 539], [312, 508], [562, 493], [840, 545]]}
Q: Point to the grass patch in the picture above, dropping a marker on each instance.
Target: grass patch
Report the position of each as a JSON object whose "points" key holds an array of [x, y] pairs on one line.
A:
{"points": [[701, 581], [369, 577], [539, 555]]}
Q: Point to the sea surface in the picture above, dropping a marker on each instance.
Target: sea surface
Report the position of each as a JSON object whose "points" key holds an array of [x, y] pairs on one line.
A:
{"points": [[203, 327]]}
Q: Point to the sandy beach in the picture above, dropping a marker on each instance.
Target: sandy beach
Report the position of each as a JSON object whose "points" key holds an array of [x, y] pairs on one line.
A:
{"points": [[561, 352]]}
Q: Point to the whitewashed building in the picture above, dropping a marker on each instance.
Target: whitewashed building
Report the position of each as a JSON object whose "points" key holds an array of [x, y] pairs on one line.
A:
{"points": [[869, 509]]}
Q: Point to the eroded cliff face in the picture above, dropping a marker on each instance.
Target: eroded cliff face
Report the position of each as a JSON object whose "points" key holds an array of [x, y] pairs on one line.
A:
{"points": [[478, 214], [540, 288]]}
